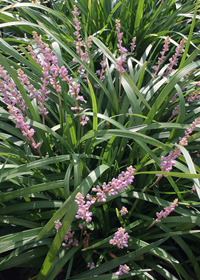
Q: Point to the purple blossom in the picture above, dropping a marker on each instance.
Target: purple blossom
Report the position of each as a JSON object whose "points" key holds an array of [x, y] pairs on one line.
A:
{"points": [[169, 161], [167, 211], [101, 72], [58, 224], [121, 59], [83, 212], [123, 211], [80, 43], [52, 72], [161, 59], [120, 239], [194, 95], [123, 269], [90, 265], [124, 179], [69, 240], [112, 188], [16, 105], [193, 189], [164, 213], [81, 226], [84, 120], [174, 59], [174, 98], [133, 45]]}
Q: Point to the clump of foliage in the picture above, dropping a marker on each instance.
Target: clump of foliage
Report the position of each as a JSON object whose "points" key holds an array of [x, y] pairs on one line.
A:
{"points": [[99, 142]]}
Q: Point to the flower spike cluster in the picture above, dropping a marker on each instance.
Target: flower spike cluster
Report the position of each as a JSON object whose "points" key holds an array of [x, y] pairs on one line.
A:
{"points": [[112, 188], [83, 212], [90, 265], [168, 210], [101, 72], [120, 239], [169, 161], [174, 59], [69, 241], [79, 43], [123, 269], [192, 96], [58, 224], [52, 72], [133, 45], [16, 105], [123, 211], [164, 213], [161, 59], [121, 59], [124, 179]]}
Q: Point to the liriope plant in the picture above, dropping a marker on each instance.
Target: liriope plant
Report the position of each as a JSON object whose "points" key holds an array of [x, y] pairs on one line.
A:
{"points": [[71, 142]]}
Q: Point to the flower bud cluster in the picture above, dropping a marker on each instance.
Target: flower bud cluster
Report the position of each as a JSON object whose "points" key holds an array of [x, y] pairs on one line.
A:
{"points": [[193, 189], [169, 161], [167, 211], [121, 59], [120, 239], [83, 212], [133, 45], [13, 99], [161, 59], [174, 59], [123, 269], [79, 43], [69, 241], [183, 141], [123, 211], [194, 95], [101, 72], [58, 224], [52, 72], [112, 188], [90, 265], [191, 98]]}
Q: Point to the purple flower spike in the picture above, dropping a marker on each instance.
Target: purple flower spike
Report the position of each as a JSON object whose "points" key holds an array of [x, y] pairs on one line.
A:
{"points": [[58, 224], [133, 45], [69, 240], [123, 211], [120, 239], [121, 59], [161, 59], [83, 212], [123, 269], [168, 210], [90, 265], [193, 189], [164, 213], [80, 43], [124, 179], [174, 59], [101, 72], [169, 161]]}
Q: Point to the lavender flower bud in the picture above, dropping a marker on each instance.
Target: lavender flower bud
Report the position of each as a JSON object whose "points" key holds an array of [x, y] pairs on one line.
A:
{"points": [[168, 210], [120, 239], [123, 269], [58, 224], [123, 211]]}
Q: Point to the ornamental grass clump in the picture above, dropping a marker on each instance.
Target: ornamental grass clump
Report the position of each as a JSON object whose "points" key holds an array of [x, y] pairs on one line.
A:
{"points": [[91, 149]]}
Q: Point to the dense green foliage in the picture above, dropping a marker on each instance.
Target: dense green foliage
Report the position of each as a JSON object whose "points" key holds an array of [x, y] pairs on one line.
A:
{"points": [[131, 122]]}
